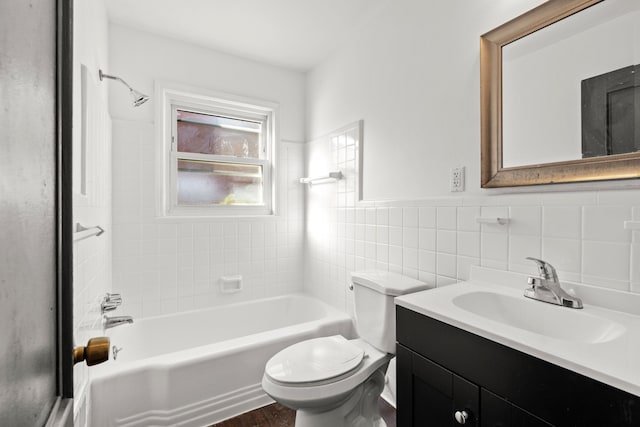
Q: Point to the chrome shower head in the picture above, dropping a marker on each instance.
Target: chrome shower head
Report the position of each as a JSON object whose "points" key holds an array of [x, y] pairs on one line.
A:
{"points": [[138, 97]]}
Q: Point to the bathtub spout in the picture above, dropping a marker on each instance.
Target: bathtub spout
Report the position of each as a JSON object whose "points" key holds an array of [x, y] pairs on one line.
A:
{"points": [[112, 322]]}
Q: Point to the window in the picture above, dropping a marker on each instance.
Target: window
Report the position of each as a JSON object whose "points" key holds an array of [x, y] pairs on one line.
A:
{"points": [[218, 155]]}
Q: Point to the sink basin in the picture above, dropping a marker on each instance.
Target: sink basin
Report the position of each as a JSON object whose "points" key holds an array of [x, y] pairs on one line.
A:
{"points": [[539, 317]]}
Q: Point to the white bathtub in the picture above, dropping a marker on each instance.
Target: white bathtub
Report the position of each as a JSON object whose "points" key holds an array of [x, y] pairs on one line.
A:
{"points": [[201, 367]]}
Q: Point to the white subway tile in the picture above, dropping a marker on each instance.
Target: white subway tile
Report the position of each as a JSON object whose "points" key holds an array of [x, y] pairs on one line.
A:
{"points": [[447, 265], [446, 241], [410, 217], [427, 239], [410, 272], [185, 260], [525, 220], [468, 244], [395, 236], [619, 197], [201, 230], [427, 217], [167, 231], [382, 234], [370, 216], [370, 250], [606, 223], [410, 258], [495, 247], [382, 253], [382, 216], [395, 217], [370, 233], [563, 222], [467, 218], [563, 254], [185, 230], [395, 255], [446, 218], [606, 282], [464, 266], [427, 277], [410, 237], [521, 247], [201, 244], [427, 261], [230, 229], [610, 260], [185, 245]]}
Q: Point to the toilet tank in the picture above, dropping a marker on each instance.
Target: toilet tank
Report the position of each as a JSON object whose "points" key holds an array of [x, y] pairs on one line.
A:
{"points": [[375, 309]]}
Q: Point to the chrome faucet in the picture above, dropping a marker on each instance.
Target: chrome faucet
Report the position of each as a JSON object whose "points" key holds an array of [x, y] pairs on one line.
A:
{"points": [[547, 288], [112, 322]]}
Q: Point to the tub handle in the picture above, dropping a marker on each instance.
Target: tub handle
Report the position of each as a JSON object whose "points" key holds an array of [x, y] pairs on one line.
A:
{"points": [[350, 286]]}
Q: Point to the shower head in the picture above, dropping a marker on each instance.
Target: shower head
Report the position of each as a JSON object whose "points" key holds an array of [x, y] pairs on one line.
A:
{"points": [[138, 97]]}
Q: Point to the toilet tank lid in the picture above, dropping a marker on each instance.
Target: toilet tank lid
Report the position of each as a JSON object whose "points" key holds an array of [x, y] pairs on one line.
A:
{"points": [[387, 282]]}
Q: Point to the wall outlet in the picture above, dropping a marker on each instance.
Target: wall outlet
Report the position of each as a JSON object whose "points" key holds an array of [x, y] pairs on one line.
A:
{"points": [[457, 179]]}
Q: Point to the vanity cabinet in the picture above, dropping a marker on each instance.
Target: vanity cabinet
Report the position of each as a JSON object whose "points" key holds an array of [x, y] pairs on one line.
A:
{"points": [[442, 370]]}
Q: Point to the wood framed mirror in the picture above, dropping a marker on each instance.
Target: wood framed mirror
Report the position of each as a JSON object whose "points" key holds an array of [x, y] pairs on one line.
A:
{"points": [[526, 113]]}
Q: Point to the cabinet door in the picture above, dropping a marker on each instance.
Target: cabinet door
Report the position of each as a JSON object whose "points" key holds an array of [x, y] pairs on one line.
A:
{"points": [[497, 412], [429, 395]]}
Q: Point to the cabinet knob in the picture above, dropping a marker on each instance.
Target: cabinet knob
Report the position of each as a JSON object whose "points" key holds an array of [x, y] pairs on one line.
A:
{"points": [[461, 417]]}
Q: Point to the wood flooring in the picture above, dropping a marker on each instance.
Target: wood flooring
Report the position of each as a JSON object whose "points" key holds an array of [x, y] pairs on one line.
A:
{"points": [[276, 415]]}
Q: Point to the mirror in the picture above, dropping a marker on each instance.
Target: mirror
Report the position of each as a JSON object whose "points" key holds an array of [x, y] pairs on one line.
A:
{"points": [[560, 94]]}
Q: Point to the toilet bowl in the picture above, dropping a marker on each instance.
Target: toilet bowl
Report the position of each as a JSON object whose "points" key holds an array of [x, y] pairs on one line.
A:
{"points": [[332, 381]]}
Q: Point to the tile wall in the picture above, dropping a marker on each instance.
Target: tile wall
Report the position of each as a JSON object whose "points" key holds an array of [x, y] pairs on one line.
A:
{"points": [[92, 256], [164, 266], [581, 233]]}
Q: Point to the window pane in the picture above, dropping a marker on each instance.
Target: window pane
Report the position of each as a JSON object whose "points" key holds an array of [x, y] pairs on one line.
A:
{"points": [[211, 134], [217, 183]]}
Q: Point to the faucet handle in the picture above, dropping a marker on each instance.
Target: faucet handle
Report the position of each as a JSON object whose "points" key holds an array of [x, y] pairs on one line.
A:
{"points": [[115, 298], [547, 271], [110, 302]]}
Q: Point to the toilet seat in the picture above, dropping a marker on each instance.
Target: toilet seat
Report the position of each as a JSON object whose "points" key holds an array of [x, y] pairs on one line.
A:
{"points": [[315, 360], [311, 394]]}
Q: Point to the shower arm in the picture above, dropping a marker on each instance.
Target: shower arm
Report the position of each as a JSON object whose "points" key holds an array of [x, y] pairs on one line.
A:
{"points": [[108, 76], [139, 98]]}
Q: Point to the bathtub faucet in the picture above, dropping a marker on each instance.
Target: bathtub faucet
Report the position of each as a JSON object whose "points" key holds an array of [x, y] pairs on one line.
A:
{"points": [[112, 322]]}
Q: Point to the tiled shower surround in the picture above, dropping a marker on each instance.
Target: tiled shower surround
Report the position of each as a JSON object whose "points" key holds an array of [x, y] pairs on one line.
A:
{"points": [[163, 266]]}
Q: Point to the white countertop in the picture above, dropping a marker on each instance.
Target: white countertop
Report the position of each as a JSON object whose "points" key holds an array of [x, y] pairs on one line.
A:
{"points": [[615, 362]]}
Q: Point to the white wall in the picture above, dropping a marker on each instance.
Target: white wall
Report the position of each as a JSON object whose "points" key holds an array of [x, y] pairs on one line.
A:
{"points": [[92, 257], [412, 75], [167, 265]]}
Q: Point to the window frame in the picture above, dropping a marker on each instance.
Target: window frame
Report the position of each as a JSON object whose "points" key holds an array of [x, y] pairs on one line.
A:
{"points": [[178, 97]]}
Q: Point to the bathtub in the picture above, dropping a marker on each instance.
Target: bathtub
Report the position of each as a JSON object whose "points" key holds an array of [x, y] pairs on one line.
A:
{"points": [[201, 367]]}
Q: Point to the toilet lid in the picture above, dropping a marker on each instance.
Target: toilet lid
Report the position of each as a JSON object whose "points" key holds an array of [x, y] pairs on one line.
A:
{"points": [[314, 360]]}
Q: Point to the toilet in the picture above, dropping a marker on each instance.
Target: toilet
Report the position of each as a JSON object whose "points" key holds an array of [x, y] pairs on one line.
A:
{"points": [[333, 381]]}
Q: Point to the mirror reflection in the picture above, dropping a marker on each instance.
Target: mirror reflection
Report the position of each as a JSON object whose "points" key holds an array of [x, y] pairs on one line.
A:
{"points": [[571, 90]]}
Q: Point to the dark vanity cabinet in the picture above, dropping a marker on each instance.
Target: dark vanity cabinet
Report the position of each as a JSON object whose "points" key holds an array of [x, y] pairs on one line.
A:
{"points": [[449, 377]]}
